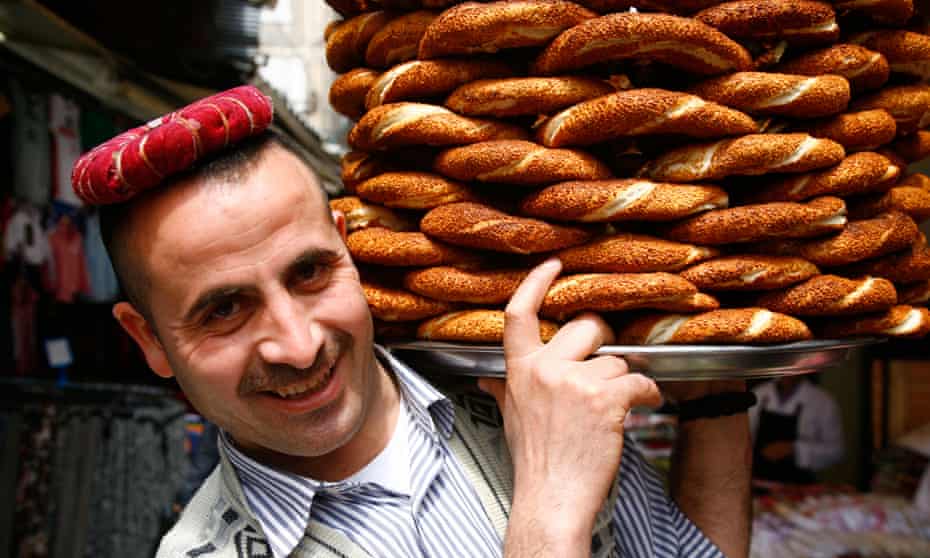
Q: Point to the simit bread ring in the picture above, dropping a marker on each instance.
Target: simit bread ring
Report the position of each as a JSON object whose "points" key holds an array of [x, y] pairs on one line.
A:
{"points": [[748, 155], [631, 253], [855, 131], [913, 147], [900, 321], [681, 42], [891, 12], [914, 293], [858, 173], [422, 79], [459, 285], [749, 273], [479, 226], [518, 162], [405, 124], [732, 326], [404, 249], [395, 305], [908, 104], [669, 6], [831, 295], [349, 8], [750, 223], [398, 40], [474, 326], [907, 52], [918, 180], [502, 98], [347, 41], [348, 91], [358, 166], [394, 331], [860, 240], [865, 69], [906, 266], [622, 200], [642, 111], [798, 22], [413, 190], [361, 215], [912, 200], [610, 292], [787, 95], [472, 27]]}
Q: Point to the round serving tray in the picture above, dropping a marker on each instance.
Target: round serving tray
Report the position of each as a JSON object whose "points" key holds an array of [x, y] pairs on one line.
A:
{"points": [[662, 362]]}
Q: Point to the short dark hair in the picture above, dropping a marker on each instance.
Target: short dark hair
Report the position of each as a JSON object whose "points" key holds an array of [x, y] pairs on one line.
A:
{"points": [[231, 166]]}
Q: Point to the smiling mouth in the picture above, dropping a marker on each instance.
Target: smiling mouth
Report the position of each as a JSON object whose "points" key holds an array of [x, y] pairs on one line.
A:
{"points": [[305, 387]]}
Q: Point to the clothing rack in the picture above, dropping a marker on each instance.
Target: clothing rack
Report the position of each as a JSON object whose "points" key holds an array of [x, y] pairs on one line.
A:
{"points": [[30, 389]]}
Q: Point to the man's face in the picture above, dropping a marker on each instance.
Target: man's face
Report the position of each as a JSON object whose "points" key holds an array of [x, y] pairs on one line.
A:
{"points": [[259, 311]]}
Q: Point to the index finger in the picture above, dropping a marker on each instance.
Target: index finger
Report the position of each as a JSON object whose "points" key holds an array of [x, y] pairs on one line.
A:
{"points": [[521, 322]]}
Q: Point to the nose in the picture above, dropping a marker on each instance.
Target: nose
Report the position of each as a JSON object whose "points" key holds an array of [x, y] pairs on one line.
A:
{"points": [[289, 337]]}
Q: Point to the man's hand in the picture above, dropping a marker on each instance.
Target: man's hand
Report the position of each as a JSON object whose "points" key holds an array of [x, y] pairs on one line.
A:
{"points": [[776, 451], [563, 417]]}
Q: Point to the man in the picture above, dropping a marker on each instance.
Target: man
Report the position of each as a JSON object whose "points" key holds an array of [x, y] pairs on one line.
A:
{"points": [[240, 286]]}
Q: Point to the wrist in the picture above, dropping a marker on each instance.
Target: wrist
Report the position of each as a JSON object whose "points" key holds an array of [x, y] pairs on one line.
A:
{"points": [[715, 406]]}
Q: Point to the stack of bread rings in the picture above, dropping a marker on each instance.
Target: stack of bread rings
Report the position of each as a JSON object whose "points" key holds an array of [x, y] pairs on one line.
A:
{"points": [[707, 172]]}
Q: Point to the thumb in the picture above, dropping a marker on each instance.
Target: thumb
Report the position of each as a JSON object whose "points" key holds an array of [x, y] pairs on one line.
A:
{"points": [[496, 387]]}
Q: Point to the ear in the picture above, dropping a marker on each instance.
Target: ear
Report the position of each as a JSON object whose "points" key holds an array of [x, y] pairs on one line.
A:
{"points": [[339, 219], [142, 333]]}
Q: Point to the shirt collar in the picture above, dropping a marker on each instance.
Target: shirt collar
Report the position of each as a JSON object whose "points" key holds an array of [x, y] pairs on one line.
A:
{"points": [[281, 501]]}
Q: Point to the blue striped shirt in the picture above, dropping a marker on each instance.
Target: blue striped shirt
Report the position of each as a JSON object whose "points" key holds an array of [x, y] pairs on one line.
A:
{"points": [[443, 516]]}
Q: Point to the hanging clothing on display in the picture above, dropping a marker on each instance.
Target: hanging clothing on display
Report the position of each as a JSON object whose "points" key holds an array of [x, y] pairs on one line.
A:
{"points": [[31, 146], [64, 125], [24, 305], [25, 237], [69, 264], [103, 284]]}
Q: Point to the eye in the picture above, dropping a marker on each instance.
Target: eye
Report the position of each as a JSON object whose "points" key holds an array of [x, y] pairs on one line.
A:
{"points": [[224, 310], [310, 275]]}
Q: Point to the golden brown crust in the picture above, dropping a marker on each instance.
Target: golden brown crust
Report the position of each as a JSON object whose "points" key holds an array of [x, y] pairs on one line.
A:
{"points": [[413, 190], [900, 321], [518, 162], [766, 93], [347, 93], [406, 124], [358, 166], [832, 295], [855, 131], [906, 266], [622, 200], [667, 6], [347, 41], [914, 147], [508, 97], [916, 180], [474, 326], [865, 69], [361, 215], [641, 112], [424, 79], [610, 292], [405, 249], [908, 104], [798, 22], [907, 52], [398, 41], [730, 326], [681, 42], [349, 8], [752, 223], [749, 273], [856, 174], [915, 294], [631, 253], [461, 285], [473, 27], [891, 12], [751, 154], [479, 226], [911, 200], [395, 305]]}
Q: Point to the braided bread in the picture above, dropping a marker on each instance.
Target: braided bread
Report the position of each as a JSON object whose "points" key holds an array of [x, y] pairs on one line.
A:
{"points": [[749, 273], [502, 98], [892, 12], [631, 253], [361, 215], [914, 293], [831, 295], [855, 131], [914, 147], [405, 124], [907, 52], [900, 321], [405, 249], [413, 190], [681, 42], [911, 200], [858, 173], [865, 69], [479, 226], [474, 326], [398, 40], [472, 27], [751, 223], [346, 42], [461, 285], [908, 104], [422, 79], [611, 292], [748, 155], [798, 22], [732, 326], [777, 94], [395, 305], [348, 91], [518, 162], [642, 111], [622, 200], [860, 240], [906, 266]]}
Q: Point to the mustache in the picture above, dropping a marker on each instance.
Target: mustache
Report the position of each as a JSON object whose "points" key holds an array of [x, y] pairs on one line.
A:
{"points": [[271, 376]]}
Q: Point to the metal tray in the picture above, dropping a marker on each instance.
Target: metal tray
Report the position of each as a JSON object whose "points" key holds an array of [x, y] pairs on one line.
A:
{"points": [[662, 362]]}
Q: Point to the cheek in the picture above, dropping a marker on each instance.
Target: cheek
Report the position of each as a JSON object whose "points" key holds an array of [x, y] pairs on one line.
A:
{"points": [[344, 306]]}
